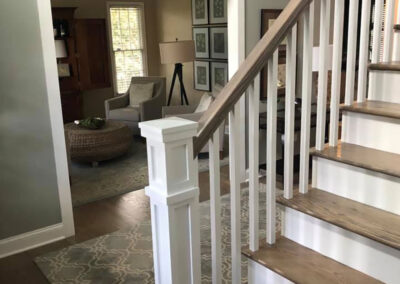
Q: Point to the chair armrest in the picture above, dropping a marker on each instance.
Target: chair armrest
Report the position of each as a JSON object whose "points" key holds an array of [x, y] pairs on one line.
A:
{"points": [[176, 110], [117, 102]]}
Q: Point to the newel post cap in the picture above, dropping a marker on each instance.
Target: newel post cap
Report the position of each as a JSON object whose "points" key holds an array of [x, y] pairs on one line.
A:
{"points": [[168, 129]]}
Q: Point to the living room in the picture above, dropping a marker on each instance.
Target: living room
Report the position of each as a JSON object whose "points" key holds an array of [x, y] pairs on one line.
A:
{"points": [[112, 42]]}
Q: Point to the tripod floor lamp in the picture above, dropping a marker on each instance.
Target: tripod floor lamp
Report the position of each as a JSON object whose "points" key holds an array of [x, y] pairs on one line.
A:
{"points": [[177, 52]]}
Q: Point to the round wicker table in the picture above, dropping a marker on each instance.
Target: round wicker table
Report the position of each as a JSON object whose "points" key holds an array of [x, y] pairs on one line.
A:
{"points": [[108, 142]]}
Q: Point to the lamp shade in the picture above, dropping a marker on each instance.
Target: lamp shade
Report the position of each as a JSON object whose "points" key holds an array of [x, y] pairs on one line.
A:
{"points": [[61, 50], [177, 52]]}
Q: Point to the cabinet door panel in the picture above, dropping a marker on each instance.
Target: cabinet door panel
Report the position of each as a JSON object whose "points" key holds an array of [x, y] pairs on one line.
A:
{"points": [[92, 52]]}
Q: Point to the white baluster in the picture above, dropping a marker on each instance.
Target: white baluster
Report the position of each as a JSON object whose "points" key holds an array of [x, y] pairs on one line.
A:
{"points": [[376, 45], [272, 93], [289, 111], [396, 38], [364, 51], [215, 207], [323, 73], [389, 21], [234, 175], [254, 113], [174, 195], [351, 52], [336, 71], [308, 38]]}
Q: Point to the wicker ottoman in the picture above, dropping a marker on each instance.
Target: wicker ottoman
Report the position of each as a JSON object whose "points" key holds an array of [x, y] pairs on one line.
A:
{"points": [[109, 142]]}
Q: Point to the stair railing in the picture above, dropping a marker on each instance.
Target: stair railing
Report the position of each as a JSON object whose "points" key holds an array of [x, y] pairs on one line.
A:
{"points": [[173, 144]]}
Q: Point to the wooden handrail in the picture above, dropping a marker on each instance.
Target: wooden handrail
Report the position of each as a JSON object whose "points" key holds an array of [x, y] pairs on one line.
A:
{"points": [[248, 70]]}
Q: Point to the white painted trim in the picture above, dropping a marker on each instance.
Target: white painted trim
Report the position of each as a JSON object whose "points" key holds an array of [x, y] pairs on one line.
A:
{"points": [[377, 132], [30, 240], [141, 6], [365, 186], [360, 253], [258, 274], [236, 55], [56, 120]]}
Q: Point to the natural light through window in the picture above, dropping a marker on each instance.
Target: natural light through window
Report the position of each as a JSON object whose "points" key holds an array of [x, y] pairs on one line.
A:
{"points": [[127, 33]]}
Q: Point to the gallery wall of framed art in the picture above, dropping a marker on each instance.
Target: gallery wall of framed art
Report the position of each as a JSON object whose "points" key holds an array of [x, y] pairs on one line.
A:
{"points": [[210, 34]]}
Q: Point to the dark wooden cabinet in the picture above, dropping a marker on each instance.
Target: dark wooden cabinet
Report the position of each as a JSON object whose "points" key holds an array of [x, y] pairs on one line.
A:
{"points": [[88, 59], [92, 53]]}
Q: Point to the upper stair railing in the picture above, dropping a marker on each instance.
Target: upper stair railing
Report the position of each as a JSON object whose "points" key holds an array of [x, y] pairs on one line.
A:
{"points": [[173, 144]]}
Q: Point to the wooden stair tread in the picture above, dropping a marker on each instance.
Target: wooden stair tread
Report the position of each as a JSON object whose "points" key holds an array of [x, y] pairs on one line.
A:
{"points": [[385, 66], [362, 157], [364, 220], [385, 109], [303, 265]]}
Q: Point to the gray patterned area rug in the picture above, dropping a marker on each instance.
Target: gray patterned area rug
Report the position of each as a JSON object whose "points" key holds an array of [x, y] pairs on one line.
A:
{"points": [[126, 256], [117, 176]]}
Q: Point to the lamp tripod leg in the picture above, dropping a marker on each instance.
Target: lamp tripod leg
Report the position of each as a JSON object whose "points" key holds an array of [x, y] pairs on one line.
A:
{"points": [[184, 98], [172, 84]]}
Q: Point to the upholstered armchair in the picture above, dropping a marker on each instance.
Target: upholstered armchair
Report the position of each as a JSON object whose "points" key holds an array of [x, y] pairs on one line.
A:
{"points": [[119, 108], [194, 113]]}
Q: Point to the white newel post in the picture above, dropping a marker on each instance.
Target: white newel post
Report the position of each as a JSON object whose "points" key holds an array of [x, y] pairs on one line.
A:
{"points": [[174, 196]]}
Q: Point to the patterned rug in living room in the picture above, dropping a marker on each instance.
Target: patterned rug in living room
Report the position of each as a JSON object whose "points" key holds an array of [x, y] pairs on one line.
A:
{"points": [[126, 256], [117, 176]]}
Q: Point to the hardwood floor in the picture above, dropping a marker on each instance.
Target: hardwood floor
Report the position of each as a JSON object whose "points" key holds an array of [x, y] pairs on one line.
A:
{"points": [[384, 109], [364, 220], [385, 66], [363, 157], [93, 220], [303, 265]]}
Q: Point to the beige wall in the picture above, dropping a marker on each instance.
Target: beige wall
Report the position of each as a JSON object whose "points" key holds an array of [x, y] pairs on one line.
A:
{"points": [[175, 21]]}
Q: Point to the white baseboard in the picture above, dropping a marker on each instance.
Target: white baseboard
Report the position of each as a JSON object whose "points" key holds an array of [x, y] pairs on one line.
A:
{"points": [[30, 240], [258, 274]]}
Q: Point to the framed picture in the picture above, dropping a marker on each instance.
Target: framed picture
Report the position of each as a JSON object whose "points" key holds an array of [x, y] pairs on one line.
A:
{"points": [[219, 75], [200, 12], [218, 11], [202, 75], [219, 43], [63, 70], [201, 40]]}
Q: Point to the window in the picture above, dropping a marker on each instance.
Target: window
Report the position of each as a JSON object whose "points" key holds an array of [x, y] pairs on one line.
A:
{"points": [[128, 46]]}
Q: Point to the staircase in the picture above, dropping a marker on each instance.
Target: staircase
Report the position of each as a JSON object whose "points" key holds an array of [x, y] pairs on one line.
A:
{"points": [[345, 226]]}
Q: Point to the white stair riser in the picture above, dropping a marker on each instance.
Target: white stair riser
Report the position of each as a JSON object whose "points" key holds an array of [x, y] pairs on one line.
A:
{"points": [[258, 274], [358, 184], [386, 86], [370, 257], [371, 131]]}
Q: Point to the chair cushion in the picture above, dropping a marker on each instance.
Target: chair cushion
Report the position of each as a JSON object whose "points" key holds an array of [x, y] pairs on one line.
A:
{"points": [[204, 103], [139, 93], [128, 113]]}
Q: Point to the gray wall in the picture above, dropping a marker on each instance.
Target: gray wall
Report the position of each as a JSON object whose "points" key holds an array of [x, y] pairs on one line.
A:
{"points": [[28, 187]]}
